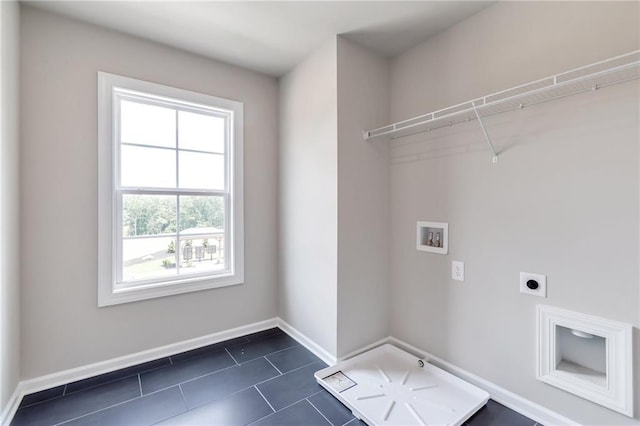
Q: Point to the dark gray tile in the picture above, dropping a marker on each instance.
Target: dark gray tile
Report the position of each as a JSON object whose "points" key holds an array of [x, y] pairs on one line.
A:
{"points": [[257, 348], [331, 408], [182, 371], [238, 409], [115, 375], [79, 403], [210, 348], [147, 410], [494, 414], [264, 333], [34, 398], [355, 422], [291, 387], [219, 385], [292, 358], [301, 413]]}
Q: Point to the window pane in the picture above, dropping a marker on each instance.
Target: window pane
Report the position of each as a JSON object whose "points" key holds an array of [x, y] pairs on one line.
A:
{"points": [[201, 215], [199, 255], [148, 215], [147, 124], [146, 258], [201, 171], [147, 167], [200, 132]]}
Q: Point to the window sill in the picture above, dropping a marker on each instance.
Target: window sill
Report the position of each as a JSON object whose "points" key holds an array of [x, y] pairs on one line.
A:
{"points": [[133, 294]]}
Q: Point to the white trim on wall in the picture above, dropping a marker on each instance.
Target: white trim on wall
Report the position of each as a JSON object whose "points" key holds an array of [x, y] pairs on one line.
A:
{"points": [[507, 398], [12, 406], [315, 348], [37, 384]]}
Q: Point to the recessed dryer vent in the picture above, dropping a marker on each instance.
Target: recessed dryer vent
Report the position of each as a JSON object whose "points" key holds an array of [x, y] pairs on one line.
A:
{"points": [[588, 356]]}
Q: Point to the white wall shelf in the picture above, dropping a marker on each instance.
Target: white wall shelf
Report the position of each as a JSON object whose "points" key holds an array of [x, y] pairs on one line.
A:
{"points": [[588, 356], [433, 237], [594, 76]]}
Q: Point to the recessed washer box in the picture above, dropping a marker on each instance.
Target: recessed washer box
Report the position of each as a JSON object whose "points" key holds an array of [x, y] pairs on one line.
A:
{"points": [[588, 356], [433, 237]]}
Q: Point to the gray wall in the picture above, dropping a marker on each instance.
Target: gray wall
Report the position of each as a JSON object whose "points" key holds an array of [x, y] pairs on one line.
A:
{"points": [[308, 182], [61, 324], [363, 198], [562, 201], [9, 201]]}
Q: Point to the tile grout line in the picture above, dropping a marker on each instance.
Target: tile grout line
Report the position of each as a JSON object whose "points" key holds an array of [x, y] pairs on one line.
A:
{"points": [[228, 368], [285, 407], [300, 400], [211, 374], [183, 398], [200, 377], [116, 405], [301, 367], [97, 411], [256, 384], [179, 384], [295, 344], [229, 353], [171, 362], [316, 408], [65, 390], [265, 399], [269, 361]]}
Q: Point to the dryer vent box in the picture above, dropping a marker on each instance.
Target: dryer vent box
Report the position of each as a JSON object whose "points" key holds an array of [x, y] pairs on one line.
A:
{"points": [[588, 356]]}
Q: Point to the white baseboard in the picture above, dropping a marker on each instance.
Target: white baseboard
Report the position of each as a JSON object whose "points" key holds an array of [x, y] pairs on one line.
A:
{"points": [[67, 376], [364, 349], [507, 398], [499, 394], [12, 406], [315, 348]]}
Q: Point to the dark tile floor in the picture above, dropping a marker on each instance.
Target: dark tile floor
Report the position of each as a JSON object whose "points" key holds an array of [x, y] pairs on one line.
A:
{"points": [[265, 378]]}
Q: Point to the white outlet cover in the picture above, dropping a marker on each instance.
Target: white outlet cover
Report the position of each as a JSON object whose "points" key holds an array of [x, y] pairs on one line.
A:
{"points": [[541, 291], [457, 270]]}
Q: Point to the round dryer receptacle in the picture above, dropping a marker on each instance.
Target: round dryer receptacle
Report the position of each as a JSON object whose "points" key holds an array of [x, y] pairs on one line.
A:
{"points": [[533, 284]]}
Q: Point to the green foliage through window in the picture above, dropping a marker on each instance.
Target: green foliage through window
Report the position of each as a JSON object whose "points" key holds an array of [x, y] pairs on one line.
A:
{"points": [[154, 215]]}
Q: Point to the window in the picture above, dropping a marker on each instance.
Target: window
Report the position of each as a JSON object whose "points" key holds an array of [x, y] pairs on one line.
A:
{"points": [[170, 190]]}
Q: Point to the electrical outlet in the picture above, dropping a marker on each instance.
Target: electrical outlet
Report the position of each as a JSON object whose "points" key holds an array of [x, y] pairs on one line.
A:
{"points": [[457, 270], [533, 284]]}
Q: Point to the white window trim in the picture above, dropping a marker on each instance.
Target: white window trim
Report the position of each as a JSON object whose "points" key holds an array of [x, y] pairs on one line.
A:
{"points": [[107, 202]]}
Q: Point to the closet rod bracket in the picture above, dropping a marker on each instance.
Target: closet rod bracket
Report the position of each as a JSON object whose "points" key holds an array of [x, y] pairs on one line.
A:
{"points": [[486, 135]]}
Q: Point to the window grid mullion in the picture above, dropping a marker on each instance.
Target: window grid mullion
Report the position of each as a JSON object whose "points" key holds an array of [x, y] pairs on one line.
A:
{"points": [[227, 236], [196, 151], [116, 179], [172, 191], [178, 266]]}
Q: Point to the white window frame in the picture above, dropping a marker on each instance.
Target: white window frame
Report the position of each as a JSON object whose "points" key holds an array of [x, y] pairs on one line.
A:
{"points": [[110, 291]]}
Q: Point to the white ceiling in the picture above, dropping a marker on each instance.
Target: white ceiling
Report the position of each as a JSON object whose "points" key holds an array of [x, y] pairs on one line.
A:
{"points": [[268, 36]]}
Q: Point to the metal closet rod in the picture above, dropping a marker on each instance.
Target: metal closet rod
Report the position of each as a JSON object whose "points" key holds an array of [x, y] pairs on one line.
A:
{"points": [[472, 108]]}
